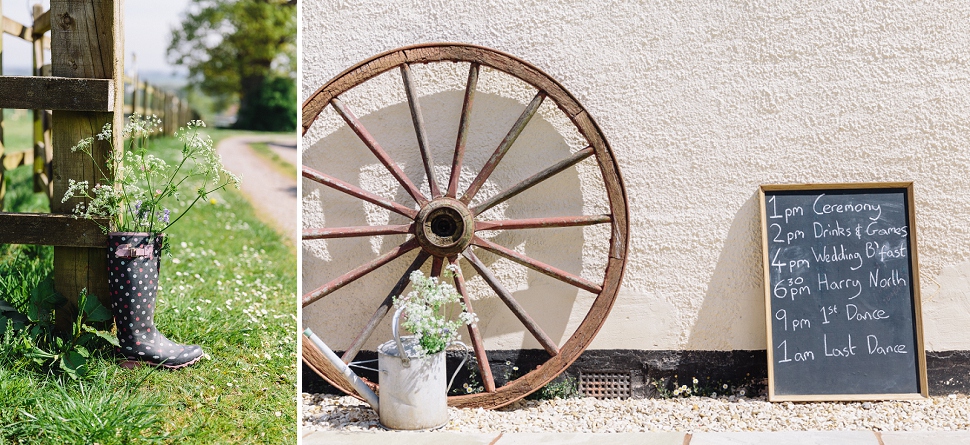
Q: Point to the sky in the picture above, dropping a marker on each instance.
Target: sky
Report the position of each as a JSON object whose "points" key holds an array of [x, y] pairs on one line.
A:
{"points": [[147, 24]]}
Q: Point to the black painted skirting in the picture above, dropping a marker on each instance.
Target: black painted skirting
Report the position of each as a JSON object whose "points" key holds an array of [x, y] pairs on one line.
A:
{"points": [[654, 372]]}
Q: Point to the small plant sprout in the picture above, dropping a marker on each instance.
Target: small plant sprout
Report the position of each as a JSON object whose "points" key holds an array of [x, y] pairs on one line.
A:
{"points": [[429, 311]]}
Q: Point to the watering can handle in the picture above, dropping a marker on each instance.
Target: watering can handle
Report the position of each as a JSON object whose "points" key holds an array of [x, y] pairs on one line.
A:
{"points": [[460, 365], [405, 360]]}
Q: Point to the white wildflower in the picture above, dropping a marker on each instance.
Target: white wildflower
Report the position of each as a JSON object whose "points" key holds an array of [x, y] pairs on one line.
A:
{"points": [[426, 311], [84, 145], [134, 183]]}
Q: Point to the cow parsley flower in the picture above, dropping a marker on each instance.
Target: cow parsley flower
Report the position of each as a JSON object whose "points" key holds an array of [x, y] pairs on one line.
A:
{"points": [[134, 183], [429, 308]]}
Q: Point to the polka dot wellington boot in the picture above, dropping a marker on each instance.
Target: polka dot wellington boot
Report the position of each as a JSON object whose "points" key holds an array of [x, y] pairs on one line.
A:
{"points": [[133, 267]]}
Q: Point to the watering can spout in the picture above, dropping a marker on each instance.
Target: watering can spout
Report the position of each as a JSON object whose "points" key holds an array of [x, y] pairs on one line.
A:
{"points": [[346, 373]]}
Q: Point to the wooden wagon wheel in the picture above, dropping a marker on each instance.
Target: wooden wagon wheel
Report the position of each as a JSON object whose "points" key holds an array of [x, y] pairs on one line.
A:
{"points": [[444, 225]]}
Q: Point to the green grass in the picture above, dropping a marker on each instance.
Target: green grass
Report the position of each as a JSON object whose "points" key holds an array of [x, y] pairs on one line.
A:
{"points": [[279, 164], [229, 285], [18, 130], [18, 136]]}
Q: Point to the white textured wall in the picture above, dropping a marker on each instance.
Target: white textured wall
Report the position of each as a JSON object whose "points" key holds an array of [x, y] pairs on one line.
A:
{"points": [[703, 101]]}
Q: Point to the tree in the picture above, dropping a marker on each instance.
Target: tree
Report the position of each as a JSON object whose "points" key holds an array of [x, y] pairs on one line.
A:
{"points": [[237, 49]]}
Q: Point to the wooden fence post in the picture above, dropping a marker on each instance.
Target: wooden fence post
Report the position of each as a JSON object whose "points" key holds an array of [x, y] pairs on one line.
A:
{"points": [[3, 179], [183, 114], [171, 114], [42, 137], [86, 42], [136, 103]]}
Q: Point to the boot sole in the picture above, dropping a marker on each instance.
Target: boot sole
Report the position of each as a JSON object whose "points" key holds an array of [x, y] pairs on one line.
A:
{"points": [[131, 364]]}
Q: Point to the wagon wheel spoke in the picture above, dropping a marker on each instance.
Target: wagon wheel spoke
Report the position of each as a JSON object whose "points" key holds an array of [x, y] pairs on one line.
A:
{"points": [[541, 223], [357, 192], [357, 231], [533, 180], [344, 111], [383, 309], [436, 264], [360, 271], [419, 130], [538, 266], [503, 147], [466, 111], [514, 306], [478, 345]]}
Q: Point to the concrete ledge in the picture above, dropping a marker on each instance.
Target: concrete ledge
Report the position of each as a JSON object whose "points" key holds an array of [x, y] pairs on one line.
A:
{"points": [[397, 438], [925, 437], [788, 438], [672, 438]]}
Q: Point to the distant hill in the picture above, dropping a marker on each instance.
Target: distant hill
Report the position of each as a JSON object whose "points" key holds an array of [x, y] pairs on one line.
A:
{"points": [[16, 71], [165, 79]]}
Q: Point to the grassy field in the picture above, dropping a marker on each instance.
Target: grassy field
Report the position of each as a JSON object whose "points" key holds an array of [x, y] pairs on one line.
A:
{"points": [[229, 285], [18, 130]]}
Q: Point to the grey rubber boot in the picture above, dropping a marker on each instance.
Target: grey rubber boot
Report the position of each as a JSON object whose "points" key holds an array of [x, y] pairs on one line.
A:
{"points": [[133, 268]]}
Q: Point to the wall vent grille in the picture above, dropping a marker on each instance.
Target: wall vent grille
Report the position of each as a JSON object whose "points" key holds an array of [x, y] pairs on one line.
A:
{"points": [[605, 385]]}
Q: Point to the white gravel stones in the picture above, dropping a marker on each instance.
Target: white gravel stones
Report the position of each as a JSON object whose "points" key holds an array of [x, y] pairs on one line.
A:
{"points": [[324, 412]]}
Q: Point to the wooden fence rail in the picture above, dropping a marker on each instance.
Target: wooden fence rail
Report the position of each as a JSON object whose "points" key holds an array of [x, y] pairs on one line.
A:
{"points": [[81, 90]]}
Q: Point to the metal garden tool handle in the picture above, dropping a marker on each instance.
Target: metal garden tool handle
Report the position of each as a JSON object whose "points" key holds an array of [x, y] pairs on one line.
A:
{"points": [[345, 372]]}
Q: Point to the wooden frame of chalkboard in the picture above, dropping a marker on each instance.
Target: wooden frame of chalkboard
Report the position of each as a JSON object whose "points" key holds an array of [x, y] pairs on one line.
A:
{"points": [[842, 301]]}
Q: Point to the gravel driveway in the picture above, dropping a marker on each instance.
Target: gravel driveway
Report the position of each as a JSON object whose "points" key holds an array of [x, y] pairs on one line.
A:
{"points": [[323, 412], [272, 194]]}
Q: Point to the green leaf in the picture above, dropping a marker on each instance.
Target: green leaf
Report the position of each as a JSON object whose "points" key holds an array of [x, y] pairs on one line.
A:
{"points": [[73, 363], [104, 335], [83, 339], [7, 316], [82, 351], [6, 307], [94, 311], [41, 356], [43, 300]]}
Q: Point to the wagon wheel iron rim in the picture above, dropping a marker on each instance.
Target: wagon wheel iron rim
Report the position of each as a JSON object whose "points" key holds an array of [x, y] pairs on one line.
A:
{"points": [[444, 227]]}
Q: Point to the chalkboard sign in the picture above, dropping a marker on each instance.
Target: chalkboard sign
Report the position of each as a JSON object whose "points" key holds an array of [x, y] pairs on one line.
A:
{"points": [[842, 292]]}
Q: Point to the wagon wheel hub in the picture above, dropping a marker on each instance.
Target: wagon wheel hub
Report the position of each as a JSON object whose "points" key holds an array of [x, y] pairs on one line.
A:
{"points": [[444, 227]]}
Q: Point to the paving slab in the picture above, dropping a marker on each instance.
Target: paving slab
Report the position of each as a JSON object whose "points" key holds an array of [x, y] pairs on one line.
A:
{"points": [[670, 438], [397, 438], [787, 438], [926, 437]]}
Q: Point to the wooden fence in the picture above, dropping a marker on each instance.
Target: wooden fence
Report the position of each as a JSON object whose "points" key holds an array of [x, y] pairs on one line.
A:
{"points": [[140, 97], [84, 87], [40, 153], [146, 99]]}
